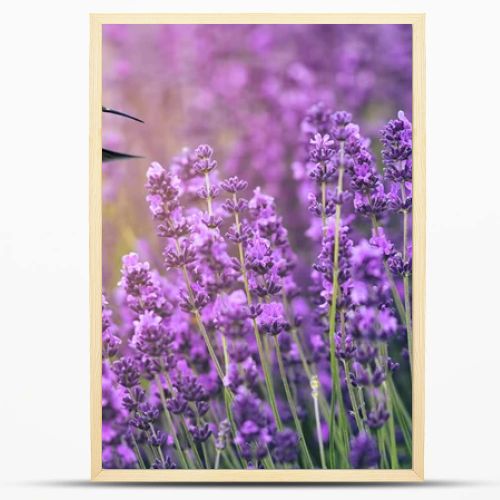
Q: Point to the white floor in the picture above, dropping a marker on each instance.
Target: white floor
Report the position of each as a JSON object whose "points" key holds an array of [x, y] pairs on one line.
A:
{"points": [[80, 489]]}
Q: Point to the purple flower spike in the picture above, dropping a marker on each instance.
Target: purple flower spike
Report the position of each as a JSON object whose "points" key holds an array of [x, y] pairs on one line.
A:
{"points": [[234, 185], [272, 320], [397, 151], [204, 163], [285, 446], [163, 191], [364, 453], [377, 417], [127, 372], [110, 342], [151, 337]]}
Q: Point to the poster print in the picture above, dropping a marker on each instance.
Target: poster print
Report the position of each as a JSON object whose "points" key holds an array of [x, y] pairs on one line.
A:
{"points": [[257, 248]]}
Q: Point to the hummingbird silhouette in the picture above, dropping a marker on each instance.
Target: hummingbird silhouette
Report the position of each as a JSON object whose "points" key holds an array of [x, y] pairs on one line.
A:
{"points": [[108, 154]]}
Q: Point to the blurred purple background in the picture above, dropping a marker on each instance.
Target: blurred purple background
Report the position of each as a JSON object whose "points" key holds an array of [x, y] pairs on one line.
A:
{"points": [[244, 89]]}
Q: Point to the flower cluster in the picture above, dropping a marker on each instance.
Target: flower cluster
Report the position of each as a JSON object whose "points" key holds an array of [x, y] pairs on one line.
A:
{"points": [[221, 354]]}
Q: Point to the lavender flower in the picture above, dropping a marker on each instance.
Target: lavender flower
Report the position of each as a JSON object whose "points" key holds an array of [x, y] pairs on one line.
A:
{"points": [[378, 417], [397, 151], [272, 320], [204, 162], [285, 446], [364, 453], [151, 337], [110, 342], [127, 372], [254, 428]]}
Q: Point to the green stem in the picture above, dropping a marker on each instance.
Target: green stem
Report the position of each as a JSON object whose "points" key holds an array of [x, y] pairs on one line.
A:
{"points": [[267, 373], [395, 294], [393, 452], [150, 454], [187, 434], [406, 417], [199, 322], [268, 461], [401, 415], [406, 282], [404, 310], [315, 390], [199, 422], [226, 354], [268, 377], [380, 433], [334, 369], [228, 396], [309, 370], [153, 452], [350, 389], [170, 423], [229, 412], [352, 398], [302, 442], [142, 465], [158, 448], [205, 455], [209, 197], [406, 285], [323, 207], [362, 403]]}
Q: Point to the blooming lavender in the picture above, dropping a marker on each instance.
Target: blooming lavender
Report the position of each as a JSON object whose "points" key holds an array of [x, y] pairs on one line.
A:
{"points": [[262, 313], [364, 453]]}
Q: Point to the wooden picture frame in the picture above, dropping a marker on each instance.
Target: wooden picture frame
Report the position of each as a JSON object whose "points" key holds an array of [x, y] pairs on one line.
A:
{"points": [[416, 473]]}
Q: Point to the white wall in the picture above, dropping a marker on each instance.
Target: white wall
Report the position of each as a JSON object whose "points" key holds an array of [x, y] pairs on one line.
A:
{"points": [[44, 409]]}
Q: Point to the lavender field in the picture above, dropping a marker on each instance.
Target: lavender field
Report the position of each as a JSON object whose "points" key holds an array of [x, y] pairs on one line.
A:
{"points": [[257, 261]]}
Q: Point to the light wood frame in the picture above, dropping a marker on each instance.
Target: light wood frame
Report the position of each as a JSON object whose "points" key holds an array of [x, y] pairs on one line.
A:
{"points": [[95, 213]]}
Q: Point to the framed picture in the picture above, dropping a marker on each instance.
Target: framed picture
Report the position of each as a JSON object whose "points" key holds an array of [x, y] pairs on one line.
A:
{"points": [[257, 247]]}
